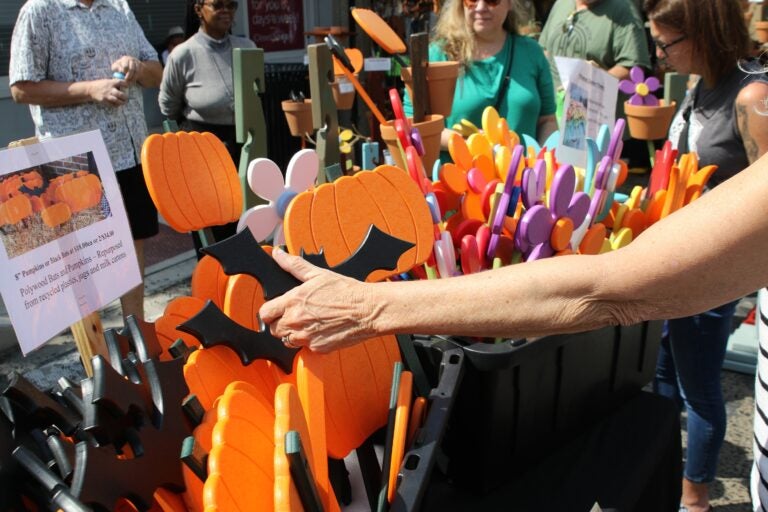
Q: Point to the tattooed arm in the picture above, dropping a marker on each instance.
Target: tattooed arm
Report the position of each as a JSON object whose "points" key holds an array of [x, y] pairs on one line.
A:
{"points": [[752, 119]]}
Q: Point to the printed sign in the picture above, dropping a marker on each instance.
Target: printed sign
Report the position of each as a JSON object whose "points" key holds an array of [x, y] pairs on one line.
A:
{"points": [[65, 242], [590, 101], [276, 25]]}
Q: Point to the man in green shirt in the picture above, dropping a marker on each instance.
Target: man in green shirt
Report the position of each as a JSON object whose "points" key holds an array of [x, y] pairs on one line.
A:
{"points": [[609, 33]]}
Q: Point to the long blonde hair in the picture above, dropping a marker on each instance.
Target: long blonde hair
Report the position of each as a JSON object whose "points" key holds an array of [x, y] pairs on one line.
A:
{"points": [[455, 36]]}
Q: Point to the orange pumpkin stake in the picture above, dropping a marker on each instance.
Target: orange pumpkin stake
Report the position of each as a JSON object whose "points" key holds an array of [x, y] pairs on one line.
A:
{"points": [[192, 180]]}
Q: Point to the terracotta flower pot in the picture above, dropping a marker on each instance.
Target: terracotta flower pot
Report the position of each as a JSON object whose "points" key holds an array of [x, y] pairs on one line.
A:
{"points": [[761, 31], [299, 116], [649, 123], [343, 93], [430, 136], [441, 82]]}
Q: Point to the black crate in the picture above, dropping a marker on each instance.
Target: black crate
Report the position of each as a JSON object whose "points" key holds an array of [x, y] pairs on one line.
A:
{"points": [[519, 401], [443, 362]]}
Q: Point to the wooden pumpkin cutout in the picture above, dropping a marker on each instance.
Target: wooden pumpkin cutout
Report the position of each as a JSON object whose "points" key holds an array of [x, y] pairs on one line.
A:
{"points": [[177, 312], [355, 212], [399, 221], [191, 179], [56, 215], [209, 371], [241, 474], [288, 416], [325, 230], [209, 282]]}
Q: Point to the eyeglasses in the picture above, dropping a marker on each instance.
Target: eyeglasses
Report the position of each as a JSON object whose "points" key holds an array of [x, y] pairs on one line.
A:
{"points": [[471, 4], [663, 46], [220, 6]]}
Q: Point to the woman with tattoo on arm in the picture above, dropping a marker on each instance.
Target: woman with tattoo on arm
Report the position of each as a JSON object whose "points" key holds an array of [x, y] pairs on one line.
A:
{"points": [[722, 121]]}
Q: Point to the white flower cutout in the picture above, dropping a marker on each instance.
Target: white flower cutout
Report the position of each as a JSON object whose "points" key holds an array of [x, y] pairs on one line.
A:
{"points": [[266, 181]]}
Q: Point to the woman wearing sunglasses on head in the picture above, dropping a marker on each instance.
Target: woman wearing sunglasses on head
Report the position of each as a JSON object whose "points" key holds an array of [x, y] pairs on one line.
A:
{"points": [[197, 89], [498, 68], [722, 120]]}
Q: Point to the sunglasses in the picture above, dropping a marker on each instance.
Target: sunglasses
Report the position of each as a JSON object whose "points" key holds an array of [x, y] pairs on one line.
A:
{"points": [[471, 4], [569, 22], [663, 46], [220, 6]]}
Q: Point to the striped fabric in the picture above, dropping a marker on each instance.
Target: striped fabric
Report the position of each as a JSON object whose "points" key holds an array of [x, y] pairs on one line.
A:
{"points": [[759, 485]]}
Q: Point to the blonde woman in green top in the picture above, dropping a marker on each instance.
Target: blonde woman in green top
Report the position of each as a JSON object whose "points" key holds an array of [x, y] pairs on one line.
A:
{"points": [[481, 36]]}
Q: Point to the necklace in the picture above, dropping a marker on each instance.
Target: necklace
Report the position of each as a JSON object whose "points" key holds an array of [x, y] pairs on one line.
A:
{"points": [[217, 53]]}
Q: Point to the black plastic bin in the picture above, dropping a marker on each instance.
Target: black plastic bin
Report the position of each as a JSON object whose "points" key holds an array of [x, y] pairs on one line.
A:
{"points": [[519, 401], [443, 362]]}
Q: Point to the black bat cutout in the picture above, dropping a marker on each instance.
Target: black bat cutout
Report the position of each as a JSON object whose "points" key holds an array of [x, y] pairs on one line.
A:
{"points": [[38, 409], [241, 254], [212, 327]]}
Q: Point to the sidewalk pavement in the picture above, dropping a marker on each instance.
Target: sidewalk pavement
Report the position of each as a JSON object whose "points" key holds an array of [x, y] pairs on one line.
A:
{"points": [[163, 282]]}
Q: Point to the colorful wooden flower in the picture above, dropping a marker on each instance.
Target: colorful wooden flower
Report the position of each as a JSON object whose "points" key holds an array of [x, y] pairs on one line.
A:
{"points": [[640, 88], [266, 181]]}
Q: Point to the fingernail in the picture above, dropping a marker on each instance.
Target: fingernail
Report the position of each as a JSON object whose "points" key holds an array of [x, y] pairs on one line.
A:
{"points": [[277, 250]]}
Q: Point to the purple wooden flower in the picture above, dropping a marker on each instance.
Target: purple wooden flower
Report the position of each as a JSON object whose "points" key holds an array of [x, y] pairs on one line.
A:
{"points": [[640, 88]]}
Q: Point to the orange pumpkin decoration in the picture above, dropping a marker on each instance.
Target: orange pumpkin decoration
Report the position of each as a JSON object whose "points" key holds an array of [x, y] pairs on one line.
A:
{"points": [[56, 215], [16, 209], [336, 217], [80, 193], [192, 180]]}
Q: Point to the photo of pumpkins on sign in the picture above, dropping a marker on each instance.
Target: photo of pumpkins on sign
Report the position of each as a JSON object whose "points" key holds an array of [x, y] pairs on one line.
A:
{"points": [[45, 202]]}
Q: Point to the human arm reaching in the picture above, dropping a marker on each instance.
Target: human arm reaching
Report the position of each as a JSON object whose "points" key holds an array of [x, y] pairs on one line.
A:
{"points": [[710, 252]]}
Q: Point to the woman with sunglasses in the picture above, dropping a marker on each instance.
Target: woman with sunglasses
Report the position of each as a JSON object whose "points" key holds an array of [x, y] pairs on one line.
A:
{"points": [[723, 120], [499, 67], [197, 89]]}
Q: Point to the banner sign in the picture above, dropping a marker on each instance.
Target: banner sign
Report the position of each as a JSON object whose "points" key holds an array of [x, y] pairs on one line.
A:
{"points": [[277, 25]]}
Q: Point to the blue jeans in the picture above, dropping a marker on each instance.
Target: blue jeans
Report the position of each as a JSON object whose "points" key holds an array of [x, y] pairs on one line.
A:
{"points": [[688, 370]]}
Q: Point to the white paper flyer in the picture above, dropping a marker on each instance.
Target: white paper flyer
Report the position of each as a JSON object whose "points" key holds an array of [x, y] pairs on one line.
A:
{"points": [[65, 242], [590, 101]]}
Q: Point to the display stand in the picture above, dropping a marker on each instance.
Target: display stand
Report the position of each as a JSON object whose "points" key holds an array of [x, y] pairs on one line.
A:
{"points": [[324, 114], [251, 129]]}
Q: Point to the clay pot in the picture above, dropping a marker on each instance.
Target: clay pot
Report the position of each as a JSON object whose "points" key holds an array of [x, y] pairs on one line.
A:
{"points": [[343, 93], [429, 130], [299, 116], [761, 31], [441, 82], [649, 123]]}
